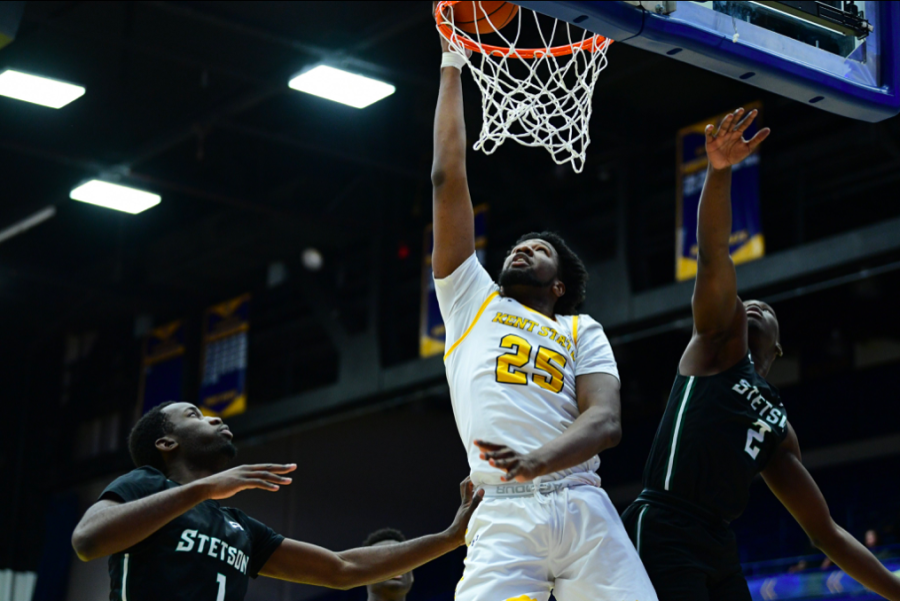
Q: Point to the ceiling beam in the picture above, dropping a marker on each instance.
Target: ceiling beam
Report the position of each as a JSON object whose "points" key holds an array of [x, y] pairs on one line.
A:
{"points": [[320, 53], [92, 167], [179, 58], [393, 167], [180, 134]]}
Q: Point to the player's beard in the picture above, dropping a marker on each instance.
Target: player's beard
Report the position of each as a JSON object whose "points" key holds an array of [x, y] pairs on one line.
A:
{"points": [[229, 450], [214, 453], [522, 277]]}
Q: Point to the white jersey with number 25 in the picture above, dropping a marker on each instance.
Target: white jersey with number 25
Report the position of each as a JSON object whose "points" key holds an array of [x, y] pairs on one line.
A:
{"points": [[512, 370]]}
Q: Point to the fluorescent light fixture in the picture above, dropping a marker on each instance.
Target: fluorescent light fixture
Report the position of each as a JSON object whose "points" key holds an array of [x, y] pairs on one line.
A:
{"points": [[27, 223], [39, 90], [341, 86], [115, 196]]}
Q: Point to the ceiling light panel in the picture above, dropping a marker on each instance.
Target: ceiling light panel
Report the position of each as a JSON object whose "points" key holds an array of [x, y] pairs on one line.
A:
{"points": [[38, 90], [115, 196], [347, 88]]}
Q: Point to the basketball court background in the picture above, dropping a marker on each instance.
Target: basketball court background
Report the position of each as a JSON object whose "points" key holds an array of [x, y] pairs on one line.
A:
{"points": [[189, 100]]}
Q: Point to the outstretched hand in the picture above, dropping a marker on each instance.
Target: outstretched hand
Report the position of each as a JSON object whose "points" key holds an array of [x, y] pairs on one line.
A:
{"points": [[265, 476], [727, 146], [470, 502], [519, 467]]}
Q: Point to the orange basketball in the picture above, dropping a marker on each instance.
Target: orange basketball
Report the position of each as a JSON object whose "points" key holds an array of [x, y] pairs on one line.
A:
{"points": [[472, 16]]}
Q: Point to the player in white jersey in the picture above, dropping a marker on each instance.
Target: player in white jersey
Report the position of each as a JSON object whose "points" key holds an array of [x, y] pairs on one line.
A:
{"points": [[535, 393]]}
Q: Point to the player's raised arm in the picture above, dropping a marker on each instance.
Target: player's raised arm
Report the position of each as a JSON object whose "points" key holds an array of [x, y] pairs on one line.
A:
{"points": [[110, 526], [800, 494], [295, 561], [717, 309], [454, 227]]}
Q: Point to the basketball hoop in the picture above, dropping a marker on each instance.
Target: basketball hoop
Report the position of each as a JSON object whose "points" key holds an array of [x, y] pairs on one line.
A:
{"points": [[538, 97]]}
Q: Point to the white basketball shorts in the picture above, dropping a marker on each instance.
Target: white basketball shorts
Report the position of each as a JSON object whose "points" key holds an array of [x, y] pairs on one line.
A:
{"points": [[570, 541]]}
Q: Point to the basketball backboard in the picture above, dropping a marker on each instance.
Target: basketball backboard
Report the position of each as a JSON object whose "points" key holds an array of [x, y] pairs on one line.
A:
{"points": [[842, 57]]}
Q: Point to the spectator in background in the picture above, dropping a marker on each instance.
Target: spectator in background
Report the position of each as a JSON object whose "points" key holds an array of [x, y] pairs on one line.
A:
{"points": [[870, 540], [398, 587], [799, 566]]}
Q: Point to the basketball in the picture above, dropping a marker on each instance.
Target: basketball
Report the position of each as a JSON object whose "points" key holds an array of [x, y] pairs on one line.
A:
{"points": [[472, 17]]}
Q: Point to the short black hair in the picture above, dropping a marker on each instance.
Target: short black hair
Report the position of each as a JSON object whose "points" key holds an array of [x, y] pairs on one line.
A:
{"points": [[383, 535], [572, 272], [142, 441]]}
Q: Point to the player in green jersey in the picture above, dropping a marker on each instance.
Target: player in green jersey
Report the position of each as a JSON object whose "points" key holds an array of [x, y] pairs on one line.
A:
{"points": [[724, 424], [169, 538]]}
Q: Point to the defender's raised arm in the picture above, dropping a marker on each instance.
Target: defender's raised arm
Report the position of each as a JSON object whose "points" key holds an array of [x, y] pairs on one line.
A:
{"points": [[720, 338], [454, 227]]}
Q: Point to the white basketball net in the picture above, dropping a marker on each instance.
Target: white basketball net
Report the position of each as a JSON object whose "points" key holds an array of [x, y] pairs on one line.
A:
{"points": [[543, 101]]}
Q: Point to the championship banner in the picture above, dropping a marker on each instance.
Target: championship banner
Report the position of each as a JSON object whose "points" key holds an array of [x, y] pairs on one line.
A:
{"points": [[431, 330], [747, 242], [162, 366], [226, 328]]}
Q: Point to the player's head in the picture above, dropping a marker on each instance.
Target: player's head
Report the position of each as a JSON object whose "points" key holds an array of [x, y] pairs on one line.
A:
{"points": [[179, 431], [763, 331], [543, 260], [397, 587]]}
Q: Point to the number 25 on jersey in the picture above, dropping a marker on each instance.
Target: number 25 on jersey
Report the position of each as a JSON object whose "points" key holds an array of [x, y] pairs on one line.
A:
{"points": [[509, 365]]}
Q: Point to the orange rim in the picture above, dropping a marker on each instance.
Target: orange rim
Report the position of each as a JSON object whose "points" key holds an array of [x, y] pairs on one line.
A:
{"points": [[590, 45]]}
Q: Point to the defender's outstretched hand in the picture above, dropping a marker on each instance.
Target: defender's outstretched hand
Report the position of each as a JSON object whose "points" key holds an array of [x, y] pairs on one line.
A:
{"points": [[301, 562], [727, 146], [518, 467], [243, 477], [470, 502]]}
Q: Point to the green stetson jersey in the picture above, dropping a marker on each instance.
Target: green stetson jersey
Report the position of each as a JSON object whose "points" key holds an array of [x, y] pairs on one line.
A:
{"points": [[208, 553], [717, 434]]}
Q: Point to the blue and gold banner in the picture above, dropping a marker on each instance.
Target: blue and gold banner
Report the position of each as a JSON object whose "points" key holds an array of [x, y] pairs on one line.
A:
{"points": [[431, 330], [162, 366], [747, 241], [226, 328]]}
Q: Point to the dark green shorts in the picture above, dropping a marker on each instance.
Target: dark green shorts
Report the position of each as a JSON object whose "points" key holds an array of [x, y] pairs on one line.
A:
{"points": [[687, 558]]}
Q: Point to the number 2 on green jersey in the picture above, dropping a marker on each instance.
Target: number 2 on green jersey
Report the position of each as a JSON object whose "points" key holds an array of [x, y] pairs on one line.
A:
{"points": [[756, 436]]}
